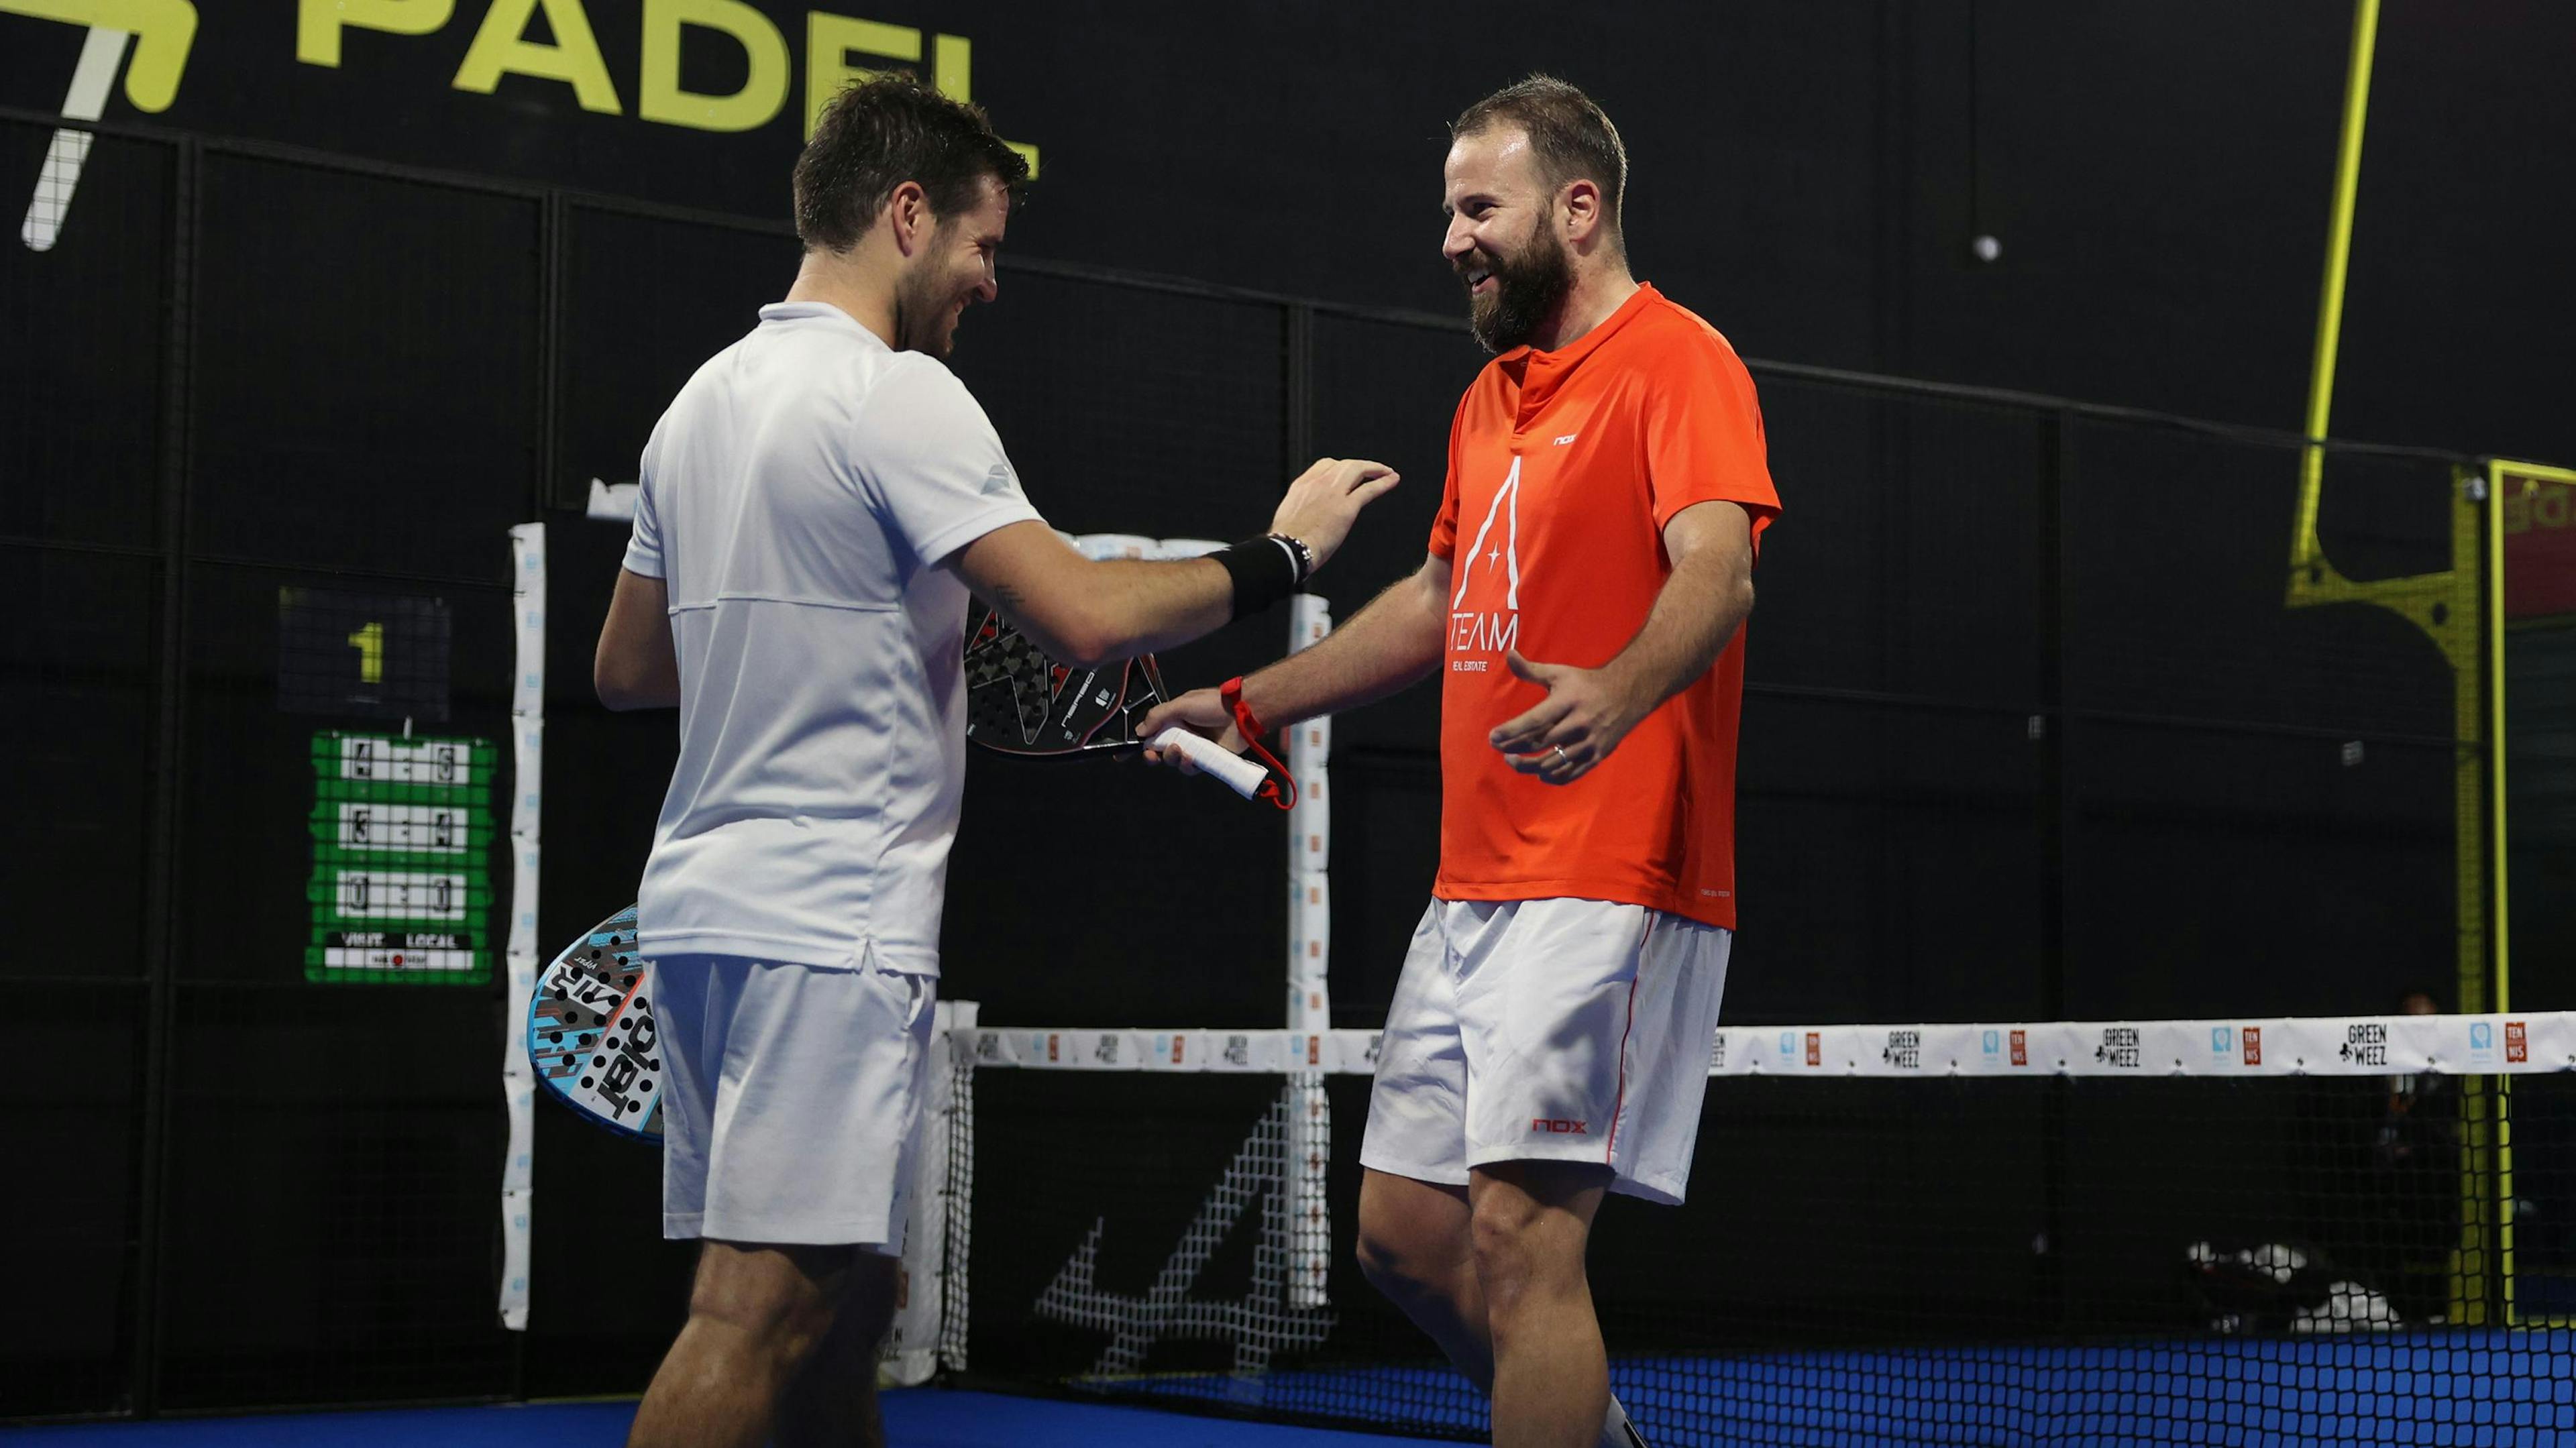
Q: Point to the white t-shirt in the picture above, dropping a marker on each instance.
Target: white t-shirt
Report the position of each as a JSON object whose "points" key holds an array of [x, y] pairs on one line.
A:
{"points": [[796, 500]]}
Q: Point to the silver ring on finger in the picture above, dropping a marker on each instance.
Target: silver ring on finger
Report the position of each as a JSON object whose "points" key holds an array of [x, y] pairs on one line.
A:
{"points": [[1562, 758]]}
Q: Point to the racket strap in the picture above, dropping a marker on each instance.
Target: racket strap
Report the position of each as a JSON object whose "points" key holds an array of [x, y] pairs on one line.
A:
{"points": [[1281, 787]]}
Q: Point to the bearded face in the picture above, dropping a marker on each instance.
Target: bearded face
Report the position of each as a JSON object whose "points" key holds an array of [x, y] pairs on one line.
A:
{"points": [[1510, 293], [930, 300], [953, 271]]}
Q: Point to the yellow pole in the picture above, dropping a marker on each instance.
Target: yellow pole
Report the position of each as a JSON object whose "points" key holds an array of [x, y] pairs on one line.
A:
{"points": [[2347, 191]]}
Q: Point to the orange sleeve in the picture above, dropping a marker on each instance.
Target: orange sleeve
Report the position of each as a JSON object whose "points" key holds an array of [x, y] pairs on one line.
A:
{"points": [[1444, 528], [1703, 434]]}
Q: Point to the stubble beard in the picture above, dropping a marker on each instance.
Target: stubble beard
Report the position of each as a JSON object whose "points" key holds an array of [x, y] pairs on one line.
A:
{"points": [[924, 320]]}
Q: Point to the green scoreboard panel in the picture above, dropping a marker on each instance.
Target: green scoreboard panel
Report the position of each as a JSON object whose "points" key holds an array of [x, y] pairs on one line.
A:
{"points": [[402, 859]]}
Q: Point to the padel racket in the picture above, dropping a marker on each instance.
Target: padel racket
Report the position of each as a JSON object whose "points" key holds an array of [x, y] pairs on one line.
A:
{"points": [[1020, 701], [592, 1034], [593, 1037]]}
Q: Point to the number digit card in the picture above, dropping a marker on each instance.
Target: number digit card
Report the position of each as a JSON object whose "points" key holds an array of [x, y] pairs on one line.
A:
{"points": [[401, 888]]}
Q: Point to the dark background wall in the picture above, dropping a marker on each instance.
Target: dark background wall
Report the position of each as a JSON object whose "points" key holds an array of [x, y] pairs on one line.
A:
{"points": [[1809, 176], [2030, 733]]}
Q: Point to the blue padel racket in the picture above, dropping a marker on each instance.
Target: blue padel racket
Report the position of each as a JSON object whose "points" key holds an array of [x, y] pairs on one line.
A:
{"points": [[592, 1034]]}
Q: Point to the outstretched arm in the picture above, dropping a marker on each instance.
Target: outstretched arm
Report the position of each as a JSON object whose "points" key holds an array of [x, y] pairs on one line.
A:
{"points": [[1588, 711], [1086, 612], [1389, 644]]}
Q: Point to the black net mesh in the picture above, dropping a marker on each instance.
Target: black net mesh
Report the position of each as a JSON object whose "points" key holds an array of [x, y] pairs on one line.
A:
{"points": [[2288, 1260]]}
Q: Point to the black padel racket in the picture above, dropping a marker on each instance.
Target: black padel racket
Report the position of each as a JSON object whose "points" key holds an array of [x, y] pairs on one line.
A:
{"points": [[593, 1036], [1019, 701]]}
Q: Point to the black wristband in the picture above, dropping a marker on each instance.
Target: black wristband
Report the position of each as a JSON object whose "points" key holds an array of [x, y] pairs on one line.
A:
{"points": [[1262, 570]]}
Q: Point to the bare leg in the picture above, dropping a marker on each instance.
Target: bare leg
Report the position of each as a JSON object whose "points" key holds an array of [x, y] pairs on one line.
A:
{"points": [[755, 1314], [1415, 1247], [1530, 1221], [832, 1402]]}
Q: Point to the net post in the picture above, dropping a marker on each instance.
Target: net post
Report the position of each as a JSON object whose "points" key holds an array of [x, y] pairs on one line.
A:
{"points": [[1310, 1008], [519, 961], [958, 1200], [929, 1329]]}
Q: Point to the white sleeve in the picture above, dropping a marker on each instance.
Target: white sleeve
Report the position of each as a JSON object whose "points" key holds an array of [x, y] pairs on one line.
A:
{"points": [[932, 465], [644, 545]]}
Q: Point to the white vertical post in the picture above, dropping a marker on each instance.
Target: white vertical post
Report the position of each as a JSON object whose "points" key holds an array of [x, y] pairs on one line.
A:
{"points": [[1310, 1001], [519, 960], [932, 1284]]}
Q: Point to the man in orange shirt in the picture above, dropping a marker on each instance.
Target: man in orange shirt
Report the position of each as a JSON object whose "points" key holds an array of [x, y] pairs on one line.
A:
{"points": [[1549, 1038]]}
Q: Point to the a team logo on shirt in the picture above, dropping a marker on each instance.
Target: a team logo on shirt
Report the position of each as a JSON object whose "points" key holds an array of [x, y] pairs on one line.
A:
{"points": [[1484, 632]]}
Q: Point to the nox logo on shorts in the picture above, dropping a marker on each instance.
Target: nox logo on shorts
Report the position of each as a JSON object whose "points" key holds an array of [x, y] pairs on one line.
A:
{"points": [[1559, 1126]]}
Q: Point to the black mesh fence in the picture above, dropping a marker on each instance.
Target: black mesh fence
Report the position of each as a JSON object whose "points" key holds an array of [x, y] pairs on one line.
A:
{"points": [[2039, 725]]}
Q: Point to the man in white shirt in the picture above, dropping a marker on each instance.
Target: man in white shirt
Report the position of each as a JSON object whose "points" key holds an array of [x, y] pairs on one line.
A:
{"points": [[814, 507]]}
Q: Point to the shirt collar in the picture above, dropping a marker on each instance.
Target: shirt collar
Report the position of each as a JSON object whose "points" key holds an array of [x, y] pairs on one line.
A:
{"points": [[1583, 346], [823, 312]]}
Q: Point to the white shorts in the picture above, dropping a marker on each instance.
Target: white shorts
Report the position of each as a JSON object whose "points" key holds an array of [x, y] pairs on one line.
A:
{"points": [[793, 1090], [1556, 1030]]}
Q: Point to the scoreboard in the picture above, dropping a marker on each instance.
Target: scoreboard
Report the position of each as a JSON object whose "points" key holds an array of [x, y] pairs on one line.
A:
{"points": [[401, 888]]}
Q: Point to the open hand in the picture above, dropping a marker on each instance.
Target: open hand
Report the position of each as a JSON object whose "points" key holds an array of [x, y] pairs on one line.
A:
{"points": [[1326, 499], [1584, 716]]}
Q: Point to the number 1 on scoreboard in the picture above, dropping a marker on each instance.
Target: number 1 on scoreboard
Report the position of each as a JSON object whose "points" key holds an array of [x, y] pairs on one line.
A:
{"points": [[370, 644]]}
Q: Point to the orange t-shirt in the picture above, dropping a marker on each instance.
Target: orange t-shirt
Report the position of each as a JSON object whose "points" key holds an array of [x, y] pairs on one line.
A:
{"points": [[1564, 468]]}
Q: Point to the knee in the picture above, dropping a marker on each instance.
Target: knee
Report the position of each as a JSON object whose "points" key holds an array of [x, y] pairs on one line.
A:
{"points": [[781, 1314], [1386, 1264], [1399, 1257], [1522, 1254]]}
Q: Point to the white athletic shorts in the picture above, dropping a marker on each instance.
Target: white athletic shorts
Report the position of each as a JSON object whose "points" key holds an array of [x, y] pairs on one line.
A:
{"points": [[793, 1090], [1558, 1030]]}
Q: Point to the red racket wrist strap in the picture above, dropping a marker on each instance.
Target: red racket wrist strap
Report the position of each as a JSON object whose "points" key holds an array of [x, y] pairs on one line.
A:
{"points": [[1245, 722], [1281, 787]]}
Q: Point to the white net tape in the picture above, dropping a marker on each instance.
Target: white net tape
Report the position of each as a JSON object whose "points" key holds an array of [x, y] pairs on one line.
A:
{"points": [[2245, 1046]]}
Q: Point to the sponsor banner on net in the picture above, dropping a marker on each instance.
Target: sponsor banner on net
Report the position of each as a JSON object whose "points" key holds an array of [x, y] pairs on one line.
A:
{"points": [[1268, 1051], [2272, 1046], [2267, 1046]]}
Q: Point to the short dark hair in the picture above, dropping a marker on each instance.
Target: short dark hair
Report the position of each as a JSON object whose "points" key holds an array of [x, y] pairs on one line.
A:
{"points": [[1568, 133], [881, 133]]}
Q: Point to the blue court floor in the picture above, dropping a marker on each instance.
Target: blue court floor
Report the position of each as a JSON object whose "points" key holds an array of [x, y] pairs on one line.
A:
{"points": [[914, 1418]]}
